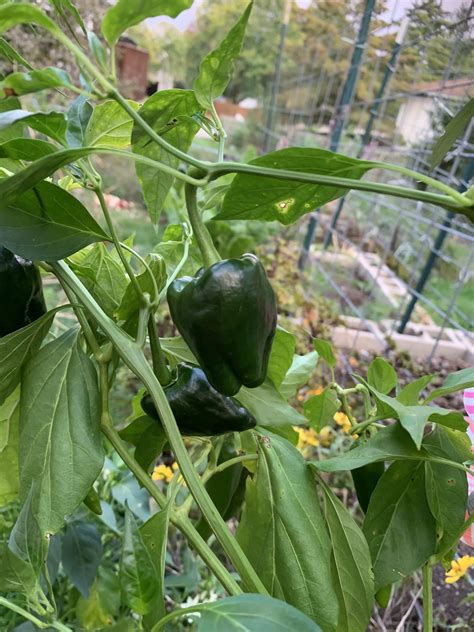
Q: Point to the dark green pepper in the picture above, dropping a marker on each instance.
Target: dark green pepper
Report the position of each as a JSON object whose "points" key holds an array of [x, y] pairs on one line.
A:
{"points": [[199, 409], [365, 480], [21, 292], [227, 315]]}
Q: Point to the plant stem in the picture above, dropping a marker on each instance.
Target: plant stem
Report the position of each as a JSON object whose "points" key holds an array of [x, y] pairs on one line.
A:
{"points": [[132, 355], [160, 367], [43, 625], [223, 466], [203, 238], [427, 597]]}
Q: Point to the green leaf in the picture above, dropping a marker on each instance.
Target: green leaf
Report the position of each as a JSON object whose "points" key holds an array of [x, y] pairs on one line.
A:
{"points": [[399, 526], [81, 555], [215, 70], [325, 351], [35, 81], [103, 276], [320, 409], [8, 52], [13, 14], [169, 113], [150, 445], [282, 532], [252, 613], [97, 49], [352, 565], [454, 130], [268, 198], [47, 223], [9, 436], [281, 356], [17, 348], [178, 349], [410, 394], [102, 604], [60, 440], [298, 374], [154, 534], [139, 579], [51, 124], [65, 7], [16, 575], [129, 305], [268, 406], [110, 125], [455, 382], [126, 13], [414, 418], [382, 376], [78, 117], [446, 487], [389, 444], [133, 432], [26, 149]]}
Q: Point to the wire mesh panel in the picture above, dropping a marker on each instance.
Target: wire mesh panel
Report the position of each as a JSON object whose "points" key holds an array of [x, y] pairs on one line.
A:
{"points": [[396, 269]]}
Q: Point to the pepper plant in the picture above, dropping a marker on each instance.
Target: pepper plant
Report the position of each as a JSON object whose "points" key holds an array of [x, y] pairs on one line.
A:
{"points": [[297, 559]]}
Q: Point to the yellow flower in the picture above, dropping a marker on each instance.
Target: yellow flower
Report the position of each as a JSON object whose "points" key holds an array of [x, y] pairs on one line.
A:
{"points": [[162, 473], [326, 436], [307, 438], [315, 391], [342, 420], [459, 568]]}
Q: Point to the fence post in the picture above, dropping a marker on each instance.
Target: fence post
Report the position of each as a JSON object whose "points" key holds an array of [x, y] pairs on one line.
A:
{"points": [[342, 110], [433, 256], [269, 133]]}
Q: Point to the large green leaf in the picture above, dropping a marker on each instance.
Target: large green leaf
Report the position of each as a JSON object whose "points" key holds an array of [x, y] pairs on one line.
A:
{"points": [[51, 124], [454, 130], [60, 441], [455, 382], [36, 80], [215, 70], [268, 406], [267, 198], [126, 13], [139, 579], [17, 348], [78, 117], [415, 418], [81, 554], [252, 613], [352, 565], [281, 356], [47, 223], [283, 534], [9, 436], [154, 534], [26, 149], [103, 276], [22, 13], [446, 487], [298, 374], [169, 113], [110, 125], [399, 526]]}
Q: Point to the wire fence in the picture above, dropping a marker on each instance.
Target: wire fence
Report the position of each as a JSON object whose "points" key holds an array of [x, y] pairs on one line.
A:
{"points": [[398, 270]]}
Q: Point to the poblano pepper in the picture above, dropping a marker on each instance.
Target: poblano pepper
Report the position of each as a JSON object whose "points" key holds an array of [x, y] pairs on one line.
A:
{"points": [[199, 409], [21, 292], [227, 315]]}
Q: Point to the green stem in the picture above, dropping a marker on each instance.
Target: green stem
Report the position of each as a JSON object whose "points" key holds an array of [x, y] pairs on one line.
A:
{"points": [[427, 597], [144, 303], [86, 328], [358, 428], [221, 131], [223, 466], [203, 238], [177, 614], [180, 521], [132, 355], [158, 357], [42, 625], [155, 296], [187, 234]]}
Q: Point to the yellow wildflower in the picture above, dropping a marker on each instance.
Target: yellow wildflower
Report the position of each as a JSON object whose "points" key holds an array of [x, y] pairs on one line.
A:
{"points": [[326, 436], [307, 438], [315, 391], [162, 473], [342, 420], [459, 568]]}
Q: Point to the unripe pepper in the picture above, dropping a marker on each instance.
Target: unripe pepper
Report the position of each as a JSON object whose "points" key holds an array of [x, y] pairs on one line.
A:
{"points": [[21, 292], [199, 409], [227, 315]]}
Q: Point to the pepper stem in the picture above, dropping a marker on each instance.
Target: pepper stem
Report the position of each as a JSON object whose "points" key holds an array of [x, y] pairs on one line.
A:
{"points": [[203, 237]]}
